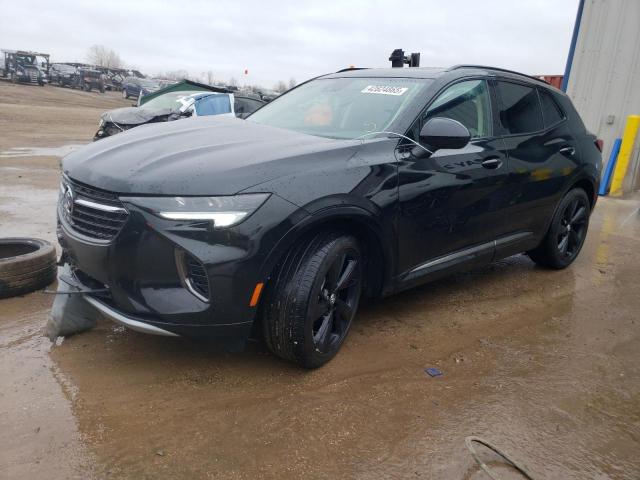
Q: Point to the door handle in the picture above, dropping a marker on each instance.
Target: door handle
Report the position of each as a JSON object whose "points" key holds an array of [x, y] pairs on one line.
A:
{"points": [[492, 163], [570, 151]]}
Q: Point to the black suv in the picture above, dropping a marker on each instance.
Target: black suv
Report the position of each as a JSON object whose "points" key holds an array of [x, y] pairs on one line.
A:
{"points": [[63, 75], [361, 182]]}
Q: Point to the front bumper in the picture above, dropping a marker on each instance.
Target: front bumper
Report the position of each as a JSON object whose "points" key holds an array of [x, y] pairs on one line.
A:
{"points": [[145, 290], [125, 320]]}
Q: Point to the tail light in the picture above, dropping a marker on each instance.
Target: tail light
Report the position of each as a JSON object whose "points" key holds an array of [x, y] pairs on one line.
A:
{"points": [[599, 144]]}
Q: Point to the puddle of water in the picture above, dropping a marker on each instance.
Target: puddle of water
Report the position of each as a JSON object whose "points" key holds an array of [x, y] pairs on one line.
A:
{"points": [[39, 151]]}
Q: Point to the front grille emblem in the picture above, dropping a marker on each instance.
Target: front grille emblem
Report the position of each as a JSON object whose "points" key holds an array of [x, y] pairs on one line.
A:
{"points": [[68, 200]]}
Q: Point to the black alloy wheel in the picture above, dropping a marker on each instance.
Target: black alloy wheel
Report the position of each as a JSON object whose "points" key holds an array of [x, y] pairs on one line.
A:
{"points": [[312, 298], [573, 228], [567, 232], [336, 301]]}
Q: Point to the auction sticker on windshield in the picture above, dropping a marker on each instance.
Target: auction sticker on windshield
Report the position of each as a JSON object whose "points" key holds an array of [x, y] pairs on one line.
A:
{"points": [[384, 90]]}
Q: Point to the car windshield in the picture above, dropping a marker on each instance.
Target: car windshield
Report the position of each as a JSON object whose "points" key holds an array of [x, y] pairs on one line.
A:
{"points": [[342, 107], [173, 100], [26, 59]]}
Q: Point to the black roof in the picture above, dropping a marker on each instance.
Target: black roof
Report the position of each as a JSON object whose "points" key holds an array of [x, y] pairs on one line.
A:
{"points": [[413, 72], [429, 72]]}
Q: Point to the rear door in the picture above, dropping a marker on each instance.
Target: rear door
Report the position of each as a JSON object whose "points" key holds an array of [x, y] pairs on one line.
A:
{"points": [[542, 153], [452, 203]]}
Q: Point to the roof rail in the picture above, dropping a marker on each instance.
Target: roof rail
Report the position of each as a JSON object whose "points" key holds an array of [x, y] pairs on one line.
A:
{"points": [[352, 68], [485, 67]]}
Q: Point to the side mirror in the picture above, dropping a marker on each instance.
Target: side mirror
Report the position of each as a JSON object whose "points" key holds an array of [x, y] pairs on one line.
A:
{"points": [[440, 132]]}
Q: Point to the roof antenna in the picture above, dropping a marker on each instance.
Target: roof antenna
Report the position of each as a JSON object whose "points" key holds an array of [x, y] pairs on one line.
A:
{"points": [[398, 59]]}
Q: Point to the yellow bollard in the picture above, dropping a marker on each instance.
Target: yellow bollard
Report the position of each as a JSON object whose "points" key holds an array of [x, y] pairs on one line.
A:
{"points": [[628, 139]]}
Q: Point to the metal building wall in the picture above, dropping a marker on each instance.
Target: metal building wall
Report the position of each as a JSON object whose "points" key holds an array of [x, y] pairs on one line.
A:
{"points": [[604, 81]]}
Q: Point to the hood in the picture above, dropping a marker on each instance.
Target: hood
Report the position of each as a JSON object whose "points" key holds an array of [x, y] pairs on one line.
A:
{"points": [[134, 115], [213, 155]]}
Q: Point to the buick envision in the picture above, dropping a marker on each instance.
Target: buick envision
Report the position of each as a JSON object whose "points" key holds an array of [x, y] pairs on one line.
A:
{"points": [[361, 182]]}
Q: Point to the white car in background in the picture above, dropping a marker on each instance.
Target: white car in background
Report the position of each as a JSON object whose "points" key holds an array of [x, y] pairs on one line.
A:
{"points": [[175, 106]]}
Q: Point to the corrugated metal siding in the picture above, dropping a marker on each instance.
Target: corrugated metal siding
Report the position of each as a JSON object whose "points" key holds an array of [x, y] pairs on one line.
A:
{"points": [[605, 74]]}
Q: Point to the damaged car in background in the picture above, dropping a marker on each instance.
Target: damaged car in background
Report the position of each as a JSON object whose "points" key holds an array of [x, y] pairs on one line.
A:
{"points": [[175, 106]]}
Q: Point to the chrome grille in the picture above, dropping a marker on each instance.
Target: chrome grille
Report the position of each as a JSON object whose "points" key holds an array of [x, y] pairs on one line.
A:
{"points": [[92, 212]]}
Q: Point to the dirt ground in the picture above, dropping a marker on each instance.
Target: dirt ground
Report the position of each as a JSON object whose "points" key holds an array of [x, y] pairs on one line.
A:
{"points": [[544, 364]]}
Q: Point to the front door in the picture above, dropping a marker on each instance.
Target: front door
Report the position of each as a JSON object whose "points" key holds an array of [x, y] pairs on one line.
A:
{"points": [[452, 203]]}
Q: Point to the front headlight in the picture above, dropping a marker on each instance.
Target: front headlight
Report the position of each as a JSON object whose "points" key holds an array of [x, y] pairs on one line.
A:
{"points": [[221, 211], [101, 123]]}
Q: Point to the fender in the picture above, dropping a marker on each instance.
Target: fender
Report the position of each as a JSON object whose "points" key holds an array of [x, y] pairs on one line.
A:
{"points": [[340, 208], [582, 175]]}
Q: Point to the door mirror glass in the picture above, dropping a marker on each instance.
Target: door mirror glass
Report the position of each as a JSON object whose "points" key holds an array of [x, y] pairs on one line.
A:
{"points": [[439, 133]]}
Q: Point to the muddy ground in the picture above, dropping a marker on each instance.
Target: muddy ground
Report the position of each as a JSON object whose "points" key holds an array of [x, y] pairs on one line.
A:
{"points": [[544, 364]]}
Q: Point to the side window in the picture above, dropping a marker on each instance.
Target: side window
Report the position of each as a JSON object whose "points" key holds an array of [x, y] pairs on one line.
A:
{"points": [[550, 109], [520, 108], [467, 102], [246, 105], [213, 105]]}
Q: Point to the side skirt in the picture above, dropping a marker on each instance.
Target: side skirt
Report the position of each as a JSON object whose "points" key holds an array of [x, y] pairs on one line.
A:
{"points": [[464, 259]]}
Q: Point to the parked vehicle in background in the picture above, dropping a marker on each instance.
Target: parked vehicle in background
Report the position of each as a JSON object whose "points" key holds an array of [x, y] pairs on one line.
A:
{"points": [[135, 87], [168, 107], [162, 83], [113, 77], [361, 182], [89, 79], [24, 67], [268, 95], [245, 105], [63, 75]]}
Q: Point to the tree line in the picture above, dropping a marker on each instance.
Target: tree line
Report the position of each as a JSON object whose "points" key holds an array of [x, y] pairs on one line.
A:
{"points": [[103, 56]]}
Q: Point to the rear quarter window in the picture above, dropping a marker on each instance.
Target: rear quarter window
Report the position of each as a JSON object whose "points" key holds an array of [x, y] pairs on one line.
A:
{"points": [[551, 111]]}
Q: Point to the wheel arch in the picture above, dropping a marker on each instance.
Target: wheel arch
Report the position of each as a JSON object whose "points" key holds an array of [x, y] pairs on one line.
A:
{"points": [[586, 183], [589, 186], [354, 220]]}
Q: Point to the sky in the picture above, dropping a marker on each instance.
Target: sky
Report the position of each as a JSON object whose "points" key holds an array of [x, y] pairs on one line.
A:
{"points": [[294, 39]]}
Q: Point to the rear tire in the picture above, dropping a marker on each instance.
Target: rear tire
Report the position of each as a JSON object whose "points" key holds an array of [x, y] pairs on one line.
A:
{"points": [[311, 299], [125, 95], [567, 232]]}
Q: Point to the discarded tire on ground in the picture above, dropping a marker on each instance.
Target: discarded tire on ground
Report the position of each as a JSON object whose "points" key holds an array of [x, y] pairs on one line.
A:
{"points": [[26, 264]]}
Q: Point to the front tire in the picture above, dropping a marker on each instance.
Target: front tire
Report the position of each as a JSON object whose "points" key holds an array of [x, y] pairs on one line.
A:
{"points": [[567, 232], [312, 298]]}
